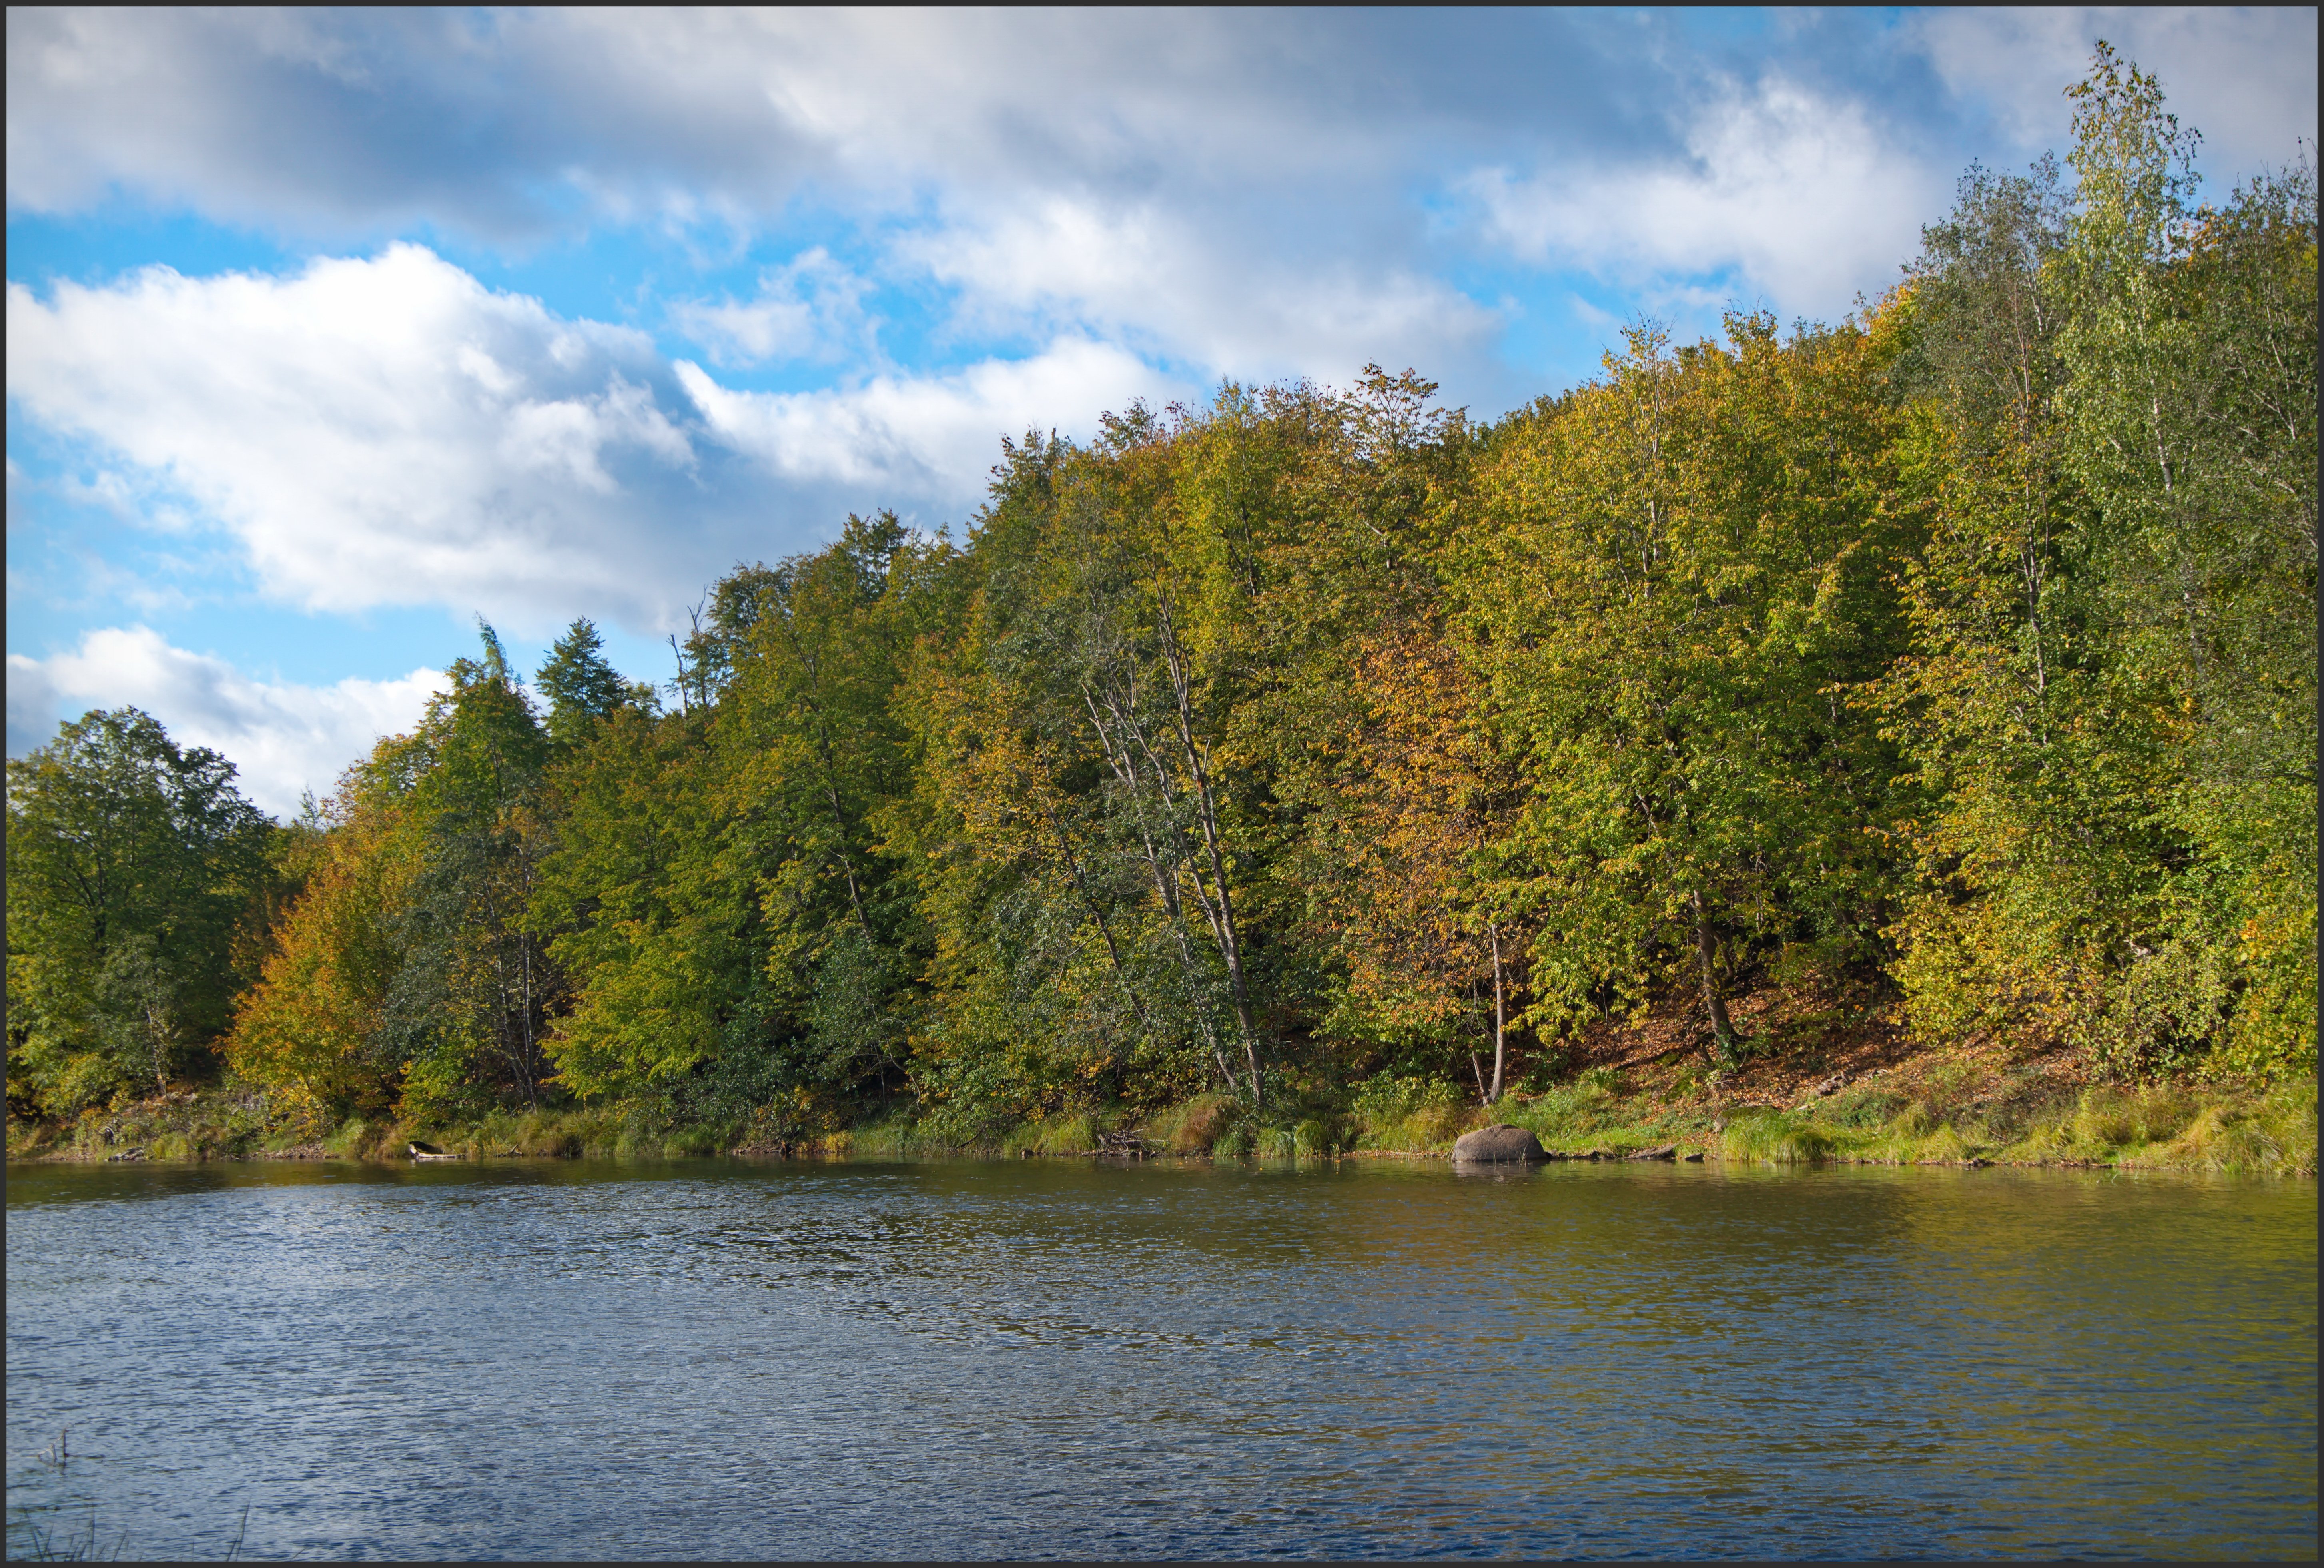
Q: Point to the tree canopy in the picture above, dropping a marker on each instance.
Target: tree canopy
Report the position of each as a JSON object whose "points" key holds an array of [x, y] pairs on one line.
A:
{"points": [[1965, 646]]}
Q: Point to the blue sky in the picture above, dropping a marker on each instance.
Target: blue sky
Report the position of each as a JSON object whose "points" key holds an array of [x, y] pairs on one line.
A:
{"points": [[331, 331]]}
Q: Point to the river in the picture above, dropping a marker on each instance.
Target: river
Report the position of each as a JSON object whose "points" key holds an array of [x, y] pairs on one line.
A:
{"points": [[722, 1358]]}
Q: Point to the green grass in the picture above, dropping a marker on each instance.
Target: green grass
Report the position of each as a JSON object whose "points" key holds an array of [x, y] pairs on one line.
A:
{"points": [[1192, 1128], [1408, 1115], [2195, 1128], [1775, 1138]]}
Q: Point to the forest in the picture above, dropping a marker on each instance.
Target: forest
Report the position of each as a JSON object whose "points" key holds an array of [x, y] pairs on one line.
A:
{"points": [[1959, 655]]}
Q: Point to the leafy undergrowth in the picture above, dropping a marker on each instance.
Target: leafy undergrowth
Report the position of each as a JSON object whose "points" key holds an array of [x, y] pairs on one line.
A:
{"points": [[233, 1123], [2207, 1129], [1915, 1112]]}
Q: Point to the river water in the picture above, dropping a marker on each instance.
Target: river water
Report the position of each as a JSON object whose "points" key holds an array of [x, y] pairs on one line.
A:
{"points": [[718, 1359]]}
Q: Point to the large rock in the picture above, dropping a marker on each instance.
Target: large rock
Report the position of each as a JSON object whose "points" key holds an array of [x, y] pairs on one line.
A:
{"points": [[1499, 1144]]}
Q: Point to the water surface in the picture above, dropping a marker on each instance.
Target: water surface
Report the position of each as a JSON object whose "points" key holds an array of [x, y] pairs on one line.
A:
{"points": [[715, 1359]]}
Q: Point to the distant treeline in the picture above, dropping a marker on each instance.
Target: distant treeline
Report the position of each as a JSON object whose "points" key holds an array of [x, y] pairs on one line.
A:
{"points": [[1968, 646]]}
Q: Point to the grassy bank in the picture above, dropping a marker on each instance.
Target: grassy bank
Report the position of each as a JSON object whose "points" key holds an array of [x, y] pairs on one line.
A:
{"points": [[1604, 1112], [230, 1123]]}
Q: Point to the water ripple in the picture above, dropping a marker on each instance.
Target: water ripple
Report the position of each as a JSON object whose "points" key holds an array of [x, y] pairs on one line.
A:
{"points": [[711, 1359]]}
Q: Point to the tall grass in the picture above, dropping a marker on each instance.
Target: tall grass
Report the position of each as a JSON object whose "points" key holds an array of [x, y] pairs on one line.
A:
{"points": [[2170, 1127], [1408, 1115], [1775, 1138]]}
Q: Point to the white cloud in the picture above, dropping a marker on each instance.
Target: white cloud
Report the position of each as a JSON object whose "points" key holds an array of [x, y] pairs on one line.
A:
{"points": [[1802, 196], [33, 705], [693, 113], [389, 431], [1256, 143], [381, 431], [1143, 275], [2245, 76], [810, 309], [1243, 192], [284, 739], [923, 434]]}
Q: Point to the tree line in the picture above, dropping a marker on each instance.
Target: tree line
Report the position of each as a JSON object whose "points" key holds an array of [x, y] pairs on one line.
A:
{"points": [[1966, 648]]}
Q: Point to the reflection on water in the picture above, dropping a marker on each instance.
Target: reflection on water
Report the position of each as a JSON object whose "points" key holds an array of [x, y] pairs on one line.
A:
{"points": [[1027, 1359]]}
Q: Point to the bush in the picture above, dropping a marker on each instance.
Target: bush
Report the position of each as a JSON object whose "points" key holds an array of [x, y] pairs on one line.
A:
{"points": [[172, 1146]]}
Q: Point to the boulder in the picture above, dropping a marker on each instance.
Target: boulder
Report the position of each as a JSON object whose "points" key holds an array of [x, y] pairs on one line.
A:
{"points": [[1667, 1151], [1499, 1144]]}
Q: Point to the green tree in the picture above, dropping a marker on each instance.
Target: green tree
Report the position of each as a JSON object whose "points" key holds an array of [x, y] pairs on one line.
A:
{"points": [[2190, 401], [465, 1011], [2036, 840], [1691, 570], [309, 1026], [583, 689], [2111, 699], [409, 973], [130, 864], [720, 890]]}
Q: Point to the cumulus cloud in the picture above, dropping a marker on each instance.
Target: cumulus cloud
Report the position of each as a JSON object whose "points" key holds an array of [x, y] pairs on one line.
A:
{"points": [[1143, 275], [1274, 157], [486, 118], [375, 431], [920, 434], [1801, 195], [389, 431], [1240, 193], [33, 704], [2245, 76], [810, 309], [283, 739]]}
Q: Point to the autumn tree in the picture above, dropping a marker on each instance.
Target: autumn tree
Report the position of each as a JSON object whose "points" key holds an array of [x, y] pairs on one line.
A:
{"points": [[407, 972], [1690, 570]]}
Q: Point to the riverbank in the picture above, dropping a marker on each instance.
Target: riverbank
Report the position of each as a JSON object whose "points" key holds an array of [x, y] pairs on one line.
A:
{"points": [[1882, 1118]]}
